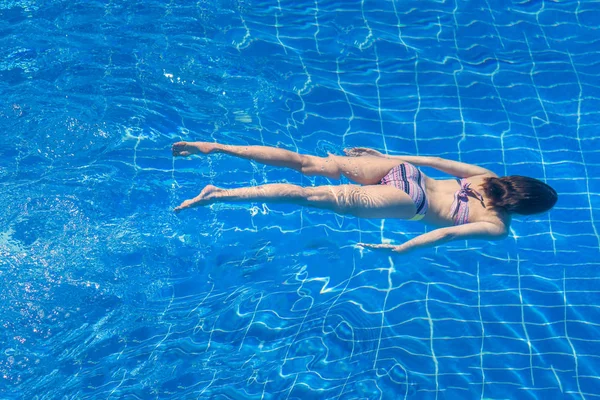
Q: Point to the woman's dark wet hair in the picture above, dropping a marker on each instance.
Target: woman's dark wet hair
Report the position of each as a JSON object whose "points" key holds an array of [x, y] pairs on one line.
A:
{"points": [[519, 194]]}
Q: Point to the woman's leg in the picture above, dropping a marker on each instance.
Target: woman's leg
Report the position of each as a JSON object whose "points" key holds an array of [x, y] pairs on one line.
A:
{"points": [[366, 170], [377, 201]]}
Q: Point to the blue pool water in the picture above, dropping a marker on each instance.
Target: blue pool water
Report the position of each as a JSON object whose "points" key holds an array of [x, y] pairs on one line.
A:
{"points": [[108, 294]]}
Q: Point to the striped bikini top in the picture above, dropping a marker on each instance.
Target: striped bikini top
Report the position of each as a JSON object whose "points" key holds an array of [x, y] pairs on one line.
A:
{"points": [[460, 207]]}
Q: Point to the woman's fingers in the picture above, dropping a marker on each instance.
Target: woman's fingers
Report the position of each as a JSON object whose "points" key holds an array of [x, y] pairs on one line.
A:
{"points": [[377, 246], [361, 151], [355, 152]]}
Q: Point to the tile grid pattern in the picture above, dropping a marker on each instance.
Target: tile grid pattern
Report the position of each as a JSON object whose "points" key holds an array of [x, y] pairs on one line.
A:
{"points": [[512, 103], [510, 87]]}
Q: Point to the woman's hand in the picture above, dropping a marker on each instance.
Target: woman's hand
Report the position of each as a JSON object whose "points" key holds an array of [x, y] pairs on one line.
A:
{"points": [[396, 249], [362, 151]]}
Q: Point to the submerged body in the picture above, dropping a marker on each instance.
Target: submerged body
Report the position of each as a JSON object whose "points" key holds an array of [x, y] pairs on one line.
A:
{"points": [[424, 190], [388, 187]]}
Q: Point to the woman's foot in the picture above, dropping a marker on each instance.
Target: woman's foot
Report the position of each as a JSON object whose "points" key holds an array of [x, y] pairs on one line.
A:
{"points": [[205, 197], [184, 149]]}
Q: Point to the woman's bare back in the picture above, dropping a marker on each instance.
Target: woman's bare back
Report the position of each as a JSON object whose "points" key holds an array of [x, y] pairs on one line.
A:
{"points": [[441, 194]]}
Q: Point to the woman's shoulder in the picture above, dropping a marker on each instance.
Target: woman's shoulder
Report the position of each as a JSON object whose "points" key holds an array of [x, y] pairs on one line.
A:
{"points": [[482, 177], [474, 179], [497, 217]]}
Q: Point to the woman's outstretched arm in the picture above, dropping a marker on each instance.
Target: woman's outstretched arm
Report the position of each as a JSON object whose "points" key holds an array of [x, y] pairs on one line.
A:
{"points": [[451, 167], [474, 230]]}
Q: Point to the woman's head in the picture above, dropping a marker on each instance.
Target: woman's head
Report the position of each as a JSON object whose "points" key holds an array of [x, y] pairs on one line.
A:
{"points": [[520, 194]]}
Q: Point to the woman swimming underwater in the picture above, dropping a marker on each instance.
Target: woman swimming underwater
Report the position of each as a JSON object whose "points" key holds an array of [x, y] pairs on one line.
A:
{"points": [[476, 205]]}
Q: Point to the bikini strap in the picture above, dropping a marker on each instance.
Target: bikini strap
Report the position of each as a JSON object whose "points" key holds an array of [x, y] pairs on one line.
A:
{"points": [[460, 207], [465, 190]]}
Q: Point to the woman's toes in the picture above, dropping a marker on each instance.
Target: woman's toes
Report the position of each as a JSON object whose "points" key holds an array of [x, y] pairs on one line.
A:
{"points": [[182, 206], [179, 149]]}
